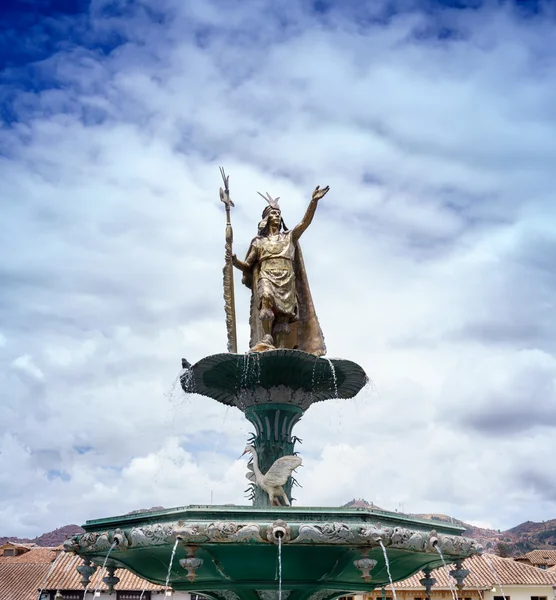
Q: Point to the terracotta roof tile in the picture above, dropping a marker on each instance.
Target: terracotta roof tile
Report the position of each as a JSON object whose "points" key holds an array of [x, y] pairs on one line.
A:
{"points": [[34, 555], [21, 581], [508, 572], [540, 557], [21, 576], [64, 576]]}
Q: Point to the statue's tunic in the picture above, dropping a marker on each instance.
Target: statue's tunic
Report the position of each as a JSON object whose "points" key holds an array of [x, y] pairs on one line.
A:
{"points": [[275, 269], [276, 281]]}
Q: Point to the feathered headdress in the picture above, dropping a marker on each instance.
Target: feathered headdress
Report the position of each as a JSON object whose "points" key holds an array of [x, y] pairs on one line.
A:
{"points": [[273, 202]]}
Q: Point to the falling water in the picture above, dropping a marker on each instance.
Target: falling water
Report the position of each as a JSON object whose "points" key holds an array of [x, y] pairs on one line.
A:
{"points": [[171, 393], [170, 565], [280, 568], [388, 568], [48, 574], [334, 379], [219, 437], [245, 370], [495, 574], [454, 596], [142, 594], [313, 379], [481, 595], [102, 571]]}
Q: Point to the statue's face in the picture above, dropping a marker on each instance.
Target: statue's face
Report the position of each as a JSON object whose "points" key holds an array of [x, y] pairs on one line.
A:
{"points": [[274, 217]]}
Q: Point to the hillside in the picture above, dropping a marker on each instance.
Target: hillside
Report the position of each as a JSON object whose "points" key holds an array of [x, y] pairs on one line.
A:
{"points": [[50, 539]]}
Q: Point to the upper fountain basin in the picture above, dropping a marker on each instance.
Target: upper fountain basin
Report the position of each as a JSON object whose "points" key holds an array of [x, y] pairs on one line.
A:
{"points": [[277, 376]]}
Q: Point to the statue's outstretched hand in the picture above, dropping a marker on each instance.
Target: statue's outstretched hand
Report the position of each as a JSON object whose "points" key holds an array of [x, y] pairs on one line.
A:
{"points": [[238, 264], [318, 193]]}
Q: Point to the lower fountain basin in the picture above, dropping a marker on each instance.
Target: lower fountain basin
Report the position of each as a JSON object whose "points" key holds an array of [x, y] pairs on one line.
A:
{"points": [[231, 552]]}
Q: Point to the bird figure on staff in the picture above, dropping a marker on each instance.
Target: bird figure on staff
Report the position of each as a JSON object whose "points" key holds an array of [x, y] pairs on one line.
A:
{"points": [[282, 312]]}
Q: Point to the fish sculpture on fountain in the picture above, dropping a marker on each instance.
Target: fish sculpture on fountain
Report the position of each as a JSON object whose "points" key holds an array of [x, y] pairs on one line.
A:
{"points": [[230, 552]]}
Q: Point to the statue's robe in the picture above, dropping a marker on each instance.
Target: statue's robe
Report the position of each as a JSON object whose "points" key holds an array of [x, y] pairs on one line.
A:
{"points": [[289, 289]]}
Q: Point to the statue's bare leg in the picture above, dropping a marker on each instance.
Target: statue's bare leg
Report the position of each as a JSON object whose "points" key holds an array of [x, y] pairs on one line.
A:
{"points": [[281, 331], [266, 315]]}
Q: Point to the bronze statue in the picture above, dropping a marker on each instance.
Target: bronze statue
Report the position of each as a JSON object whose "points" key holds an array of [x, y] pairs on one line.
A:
{"points": [[282, 311]]}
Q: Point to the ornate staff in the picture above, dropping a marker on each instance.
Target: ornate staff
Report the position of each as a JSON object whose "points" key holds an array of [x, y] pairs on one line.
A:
{"points": [[229, 298]]}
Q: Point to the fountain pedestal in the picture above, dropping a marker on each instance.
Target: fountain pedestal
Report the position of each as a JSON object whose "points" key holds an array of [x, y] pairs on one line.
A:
{"points": [[231, 552], [273, 389]]}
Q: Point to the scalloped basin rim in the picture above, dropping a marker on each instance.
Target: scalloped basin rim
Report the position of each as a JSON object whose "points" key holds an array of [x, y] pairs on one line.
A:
{"points": [[224, 376]]}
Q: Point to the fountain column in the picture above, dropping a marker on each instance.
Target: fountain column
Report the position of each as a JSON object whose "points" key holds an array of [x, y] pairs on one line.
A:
{"points": [[273, 426]]}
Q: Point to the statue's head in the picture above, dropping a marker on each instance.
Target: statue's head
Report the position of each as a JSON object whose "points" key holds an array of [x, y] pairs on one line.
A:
{"points": [[272, 215]]}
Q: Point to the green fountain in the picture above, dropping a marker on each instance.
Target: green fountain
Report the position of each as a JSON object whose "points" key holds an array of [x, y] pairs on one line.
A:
{"points": [[271, 549]]}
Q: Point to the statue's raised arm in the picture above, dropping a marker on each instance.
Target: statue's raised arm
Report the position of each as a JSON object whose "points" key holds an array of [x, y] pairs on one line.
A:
{"points": [[298, 230], [282, 311]]}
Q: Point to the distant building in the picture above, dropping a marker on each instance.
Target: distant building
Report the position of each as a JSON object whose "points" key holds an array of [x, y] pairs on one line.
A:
{"points": [[542, 559]]}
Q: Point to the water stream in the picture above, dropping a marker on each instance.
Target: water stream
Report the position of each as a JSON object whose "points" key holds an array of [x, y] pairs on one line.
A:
{"points": [[454, 595], [48, 574], [103, 570], [170, 565], [495, 574], [481, 595], [334, 379], [388, 568], [280, 568]]}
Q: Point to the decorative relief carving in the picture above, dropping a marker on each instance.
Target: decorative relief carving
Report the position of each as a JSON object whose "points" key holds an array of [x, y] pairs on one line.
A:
{"points": [[376, 533], [89, 542], [279, 394], [322, 594], [458, 546], [227, 594], [272, 594], [330, 533], [152, 535], [231, 532], [220, 532]]}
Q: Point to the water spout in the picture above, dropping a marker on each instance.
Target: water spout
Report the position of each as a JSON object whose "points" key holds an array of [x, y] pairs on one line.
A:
{"points": [[178, 540], [99, 580], [437, 548], [278, 532], [388, 568]]}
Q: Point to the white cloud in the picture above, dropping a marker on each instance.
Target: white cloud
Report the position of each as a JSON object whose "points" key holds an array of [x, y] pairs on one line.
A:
{"points": [[430, 261]]}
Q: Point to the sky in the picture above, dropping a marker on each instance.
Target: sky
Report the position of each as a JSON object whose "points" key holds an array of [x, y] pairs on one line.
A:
{"points": [[431, 259]]}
